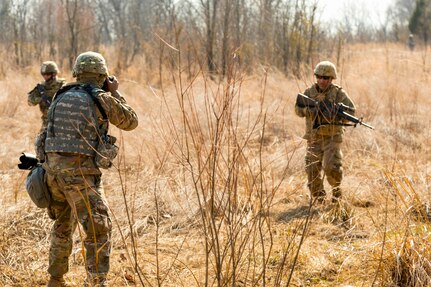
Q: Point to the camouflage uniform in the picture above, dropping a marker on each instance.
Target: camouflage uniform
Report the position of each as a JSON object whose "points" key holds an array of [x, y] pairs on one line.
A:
{"points": [[324, 141], [411, 42], [75, 183], [43, 93]]}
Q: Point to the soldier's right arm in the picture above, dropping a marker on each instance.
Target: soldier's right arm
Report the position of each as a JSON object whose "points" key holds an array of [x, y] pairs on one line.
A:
{"points": [[34, 97], [302, 111], [119, 113]]}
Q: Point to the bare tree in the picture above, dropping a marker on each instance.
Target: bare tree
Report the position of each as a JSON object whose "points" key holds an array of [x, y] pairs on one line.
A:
{"points": [[71, 8], [210, 9], [399, 15], [19, 21], [420, 21], [281, 33], [312, 32], [267, 9]]}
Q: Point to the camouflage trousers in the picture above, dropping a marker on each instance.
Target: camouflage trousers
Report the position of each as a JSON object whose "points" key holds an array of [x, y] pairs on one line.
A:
{"points": [[78, 198], [324, 153]]}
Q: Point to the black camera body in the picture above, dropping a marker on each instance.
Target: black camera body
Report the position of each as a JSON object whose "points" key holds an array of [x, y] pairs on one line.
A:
{"points": [[28, 161]]}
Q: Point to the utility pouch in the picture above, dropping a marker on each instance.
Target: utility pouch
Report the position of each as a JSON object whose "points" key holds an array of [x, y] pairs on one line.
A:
{"points": [[329, 130], [37, 187], [106, 152]]}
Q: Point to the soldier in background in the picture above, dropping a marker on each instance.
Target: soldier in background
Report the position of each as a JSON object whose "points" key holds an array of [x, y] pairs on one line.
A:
{"points": [[77, 121], [324, 132], [411, 42], [43, 92]]}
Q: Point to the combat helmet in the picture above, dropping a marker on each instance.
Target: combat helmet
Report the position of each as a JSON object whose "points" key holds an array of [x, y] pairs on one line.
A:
{"points": [[49, 67], [326, 68], [90, 62]]}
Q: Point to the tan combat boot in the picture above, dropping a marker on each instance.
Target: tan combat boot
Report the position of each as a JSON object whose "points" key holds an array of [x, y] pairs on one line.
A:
{"points": [[96, 282], [318, 196], [56, 282], [336, 194]]}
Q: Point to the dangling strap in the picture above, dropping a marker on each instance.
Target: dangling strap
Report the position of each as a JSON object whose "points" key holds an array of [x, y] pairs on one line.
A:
{"points": [[92, 91]]}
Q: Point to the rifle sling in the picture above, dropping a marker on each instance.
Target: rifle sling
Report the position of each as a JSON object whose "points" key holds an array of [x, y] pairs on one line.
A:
{"points": [[334, 124], [89, 89]]}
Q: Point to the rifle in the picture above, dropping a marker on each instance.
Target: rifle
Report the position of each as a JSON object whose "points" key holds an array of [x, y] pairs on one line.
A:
{"points": [[329, 110], [28, 161], [44, 97]]}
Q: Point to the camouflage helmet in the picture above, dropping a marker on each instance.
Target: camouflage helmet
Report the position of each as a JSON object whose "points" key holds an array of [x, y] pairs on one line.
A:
{"points": [[326, 68], [49, 67], [90, 62]]}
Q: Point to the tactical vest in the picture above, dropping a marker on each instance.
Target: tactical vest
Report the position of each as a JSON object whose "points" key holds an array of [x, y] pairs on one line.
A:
{"points": [[49, 90], [73, 126], [332, 95]]}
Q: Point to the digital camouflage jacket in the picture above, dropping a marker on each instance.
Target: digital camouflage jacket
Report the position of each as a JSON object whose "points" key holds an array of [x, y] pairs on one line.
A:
{"points": [[42, 95], [334, 94]]}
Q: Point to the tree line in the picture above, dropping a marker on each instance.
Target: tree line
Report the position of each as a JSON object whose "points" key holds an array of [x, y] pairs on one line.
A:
{"points": [[211, 34]]}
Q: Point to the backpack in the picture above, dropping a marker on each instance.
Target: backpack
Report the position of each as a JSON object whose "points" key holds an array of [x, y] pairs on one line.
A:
{"points": [[35, 182], [37, 188]]}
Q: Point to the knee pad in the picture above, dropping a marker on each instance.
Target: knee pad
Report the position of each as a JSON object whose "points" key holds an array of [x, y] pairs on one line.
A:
{"points": [[334, 175]]}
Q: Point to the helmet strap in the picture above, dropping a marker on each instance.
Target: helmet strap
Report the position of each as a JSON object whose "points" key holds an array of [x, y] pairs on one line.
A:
{"points": [[91, 78], [51, 78]]}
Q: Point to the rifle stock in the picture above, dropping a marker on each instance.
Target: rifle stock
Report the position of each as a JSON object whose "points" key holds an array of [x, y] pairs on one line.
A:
{"points": [[341, 111], [306, 102]]}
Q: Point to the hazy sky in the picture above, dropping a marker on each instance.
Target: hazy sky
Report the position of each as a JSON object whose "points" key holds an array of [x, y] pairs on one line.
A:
{"points": [[335, 9]]}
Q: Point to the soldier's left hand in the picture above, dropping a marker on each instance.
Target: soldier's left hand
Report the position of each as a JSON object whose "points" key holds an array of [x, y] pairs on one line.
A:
{"points": [[112, 84], [327, 109]]}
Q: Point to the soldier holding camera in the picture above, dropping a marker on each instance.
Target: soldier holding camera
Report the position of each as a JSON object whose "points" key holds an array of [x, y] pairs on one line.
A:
{"points": [[76, 145]]}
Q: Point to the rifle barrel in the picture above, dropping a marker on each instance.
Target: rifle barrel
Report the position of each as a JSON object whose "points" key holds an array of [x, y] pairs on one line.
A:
{"points": [[367, 125]]}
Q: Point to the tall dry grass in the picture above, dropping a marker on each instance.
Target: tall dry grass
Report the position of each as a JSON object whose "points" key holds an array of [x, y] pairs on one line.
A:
{"points": [[210, 190]]}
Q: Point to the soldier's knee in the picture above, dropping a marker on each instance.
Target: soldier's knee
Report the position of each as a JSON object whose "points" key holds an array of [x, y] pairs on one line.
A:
{"points": [[313, 166], [98, 226], [334, 174], [311, 159], [98, 223]]}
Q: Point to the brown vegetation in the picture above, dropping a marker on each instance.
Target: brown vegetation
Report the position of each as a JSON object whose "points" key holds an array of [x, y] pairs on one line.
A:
{"points": [[210, 190]]}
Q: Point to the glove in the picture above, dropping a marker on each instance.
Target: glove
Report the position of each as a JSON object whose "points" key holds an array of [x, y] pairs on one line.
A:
{"points": [[312, 110], [46, 100], [327, 109]]}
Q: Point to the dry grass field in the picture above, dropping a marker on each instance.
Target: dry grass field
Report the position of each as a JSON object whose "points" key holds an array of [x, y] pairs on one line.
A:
{"points": [[210, 189]]}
